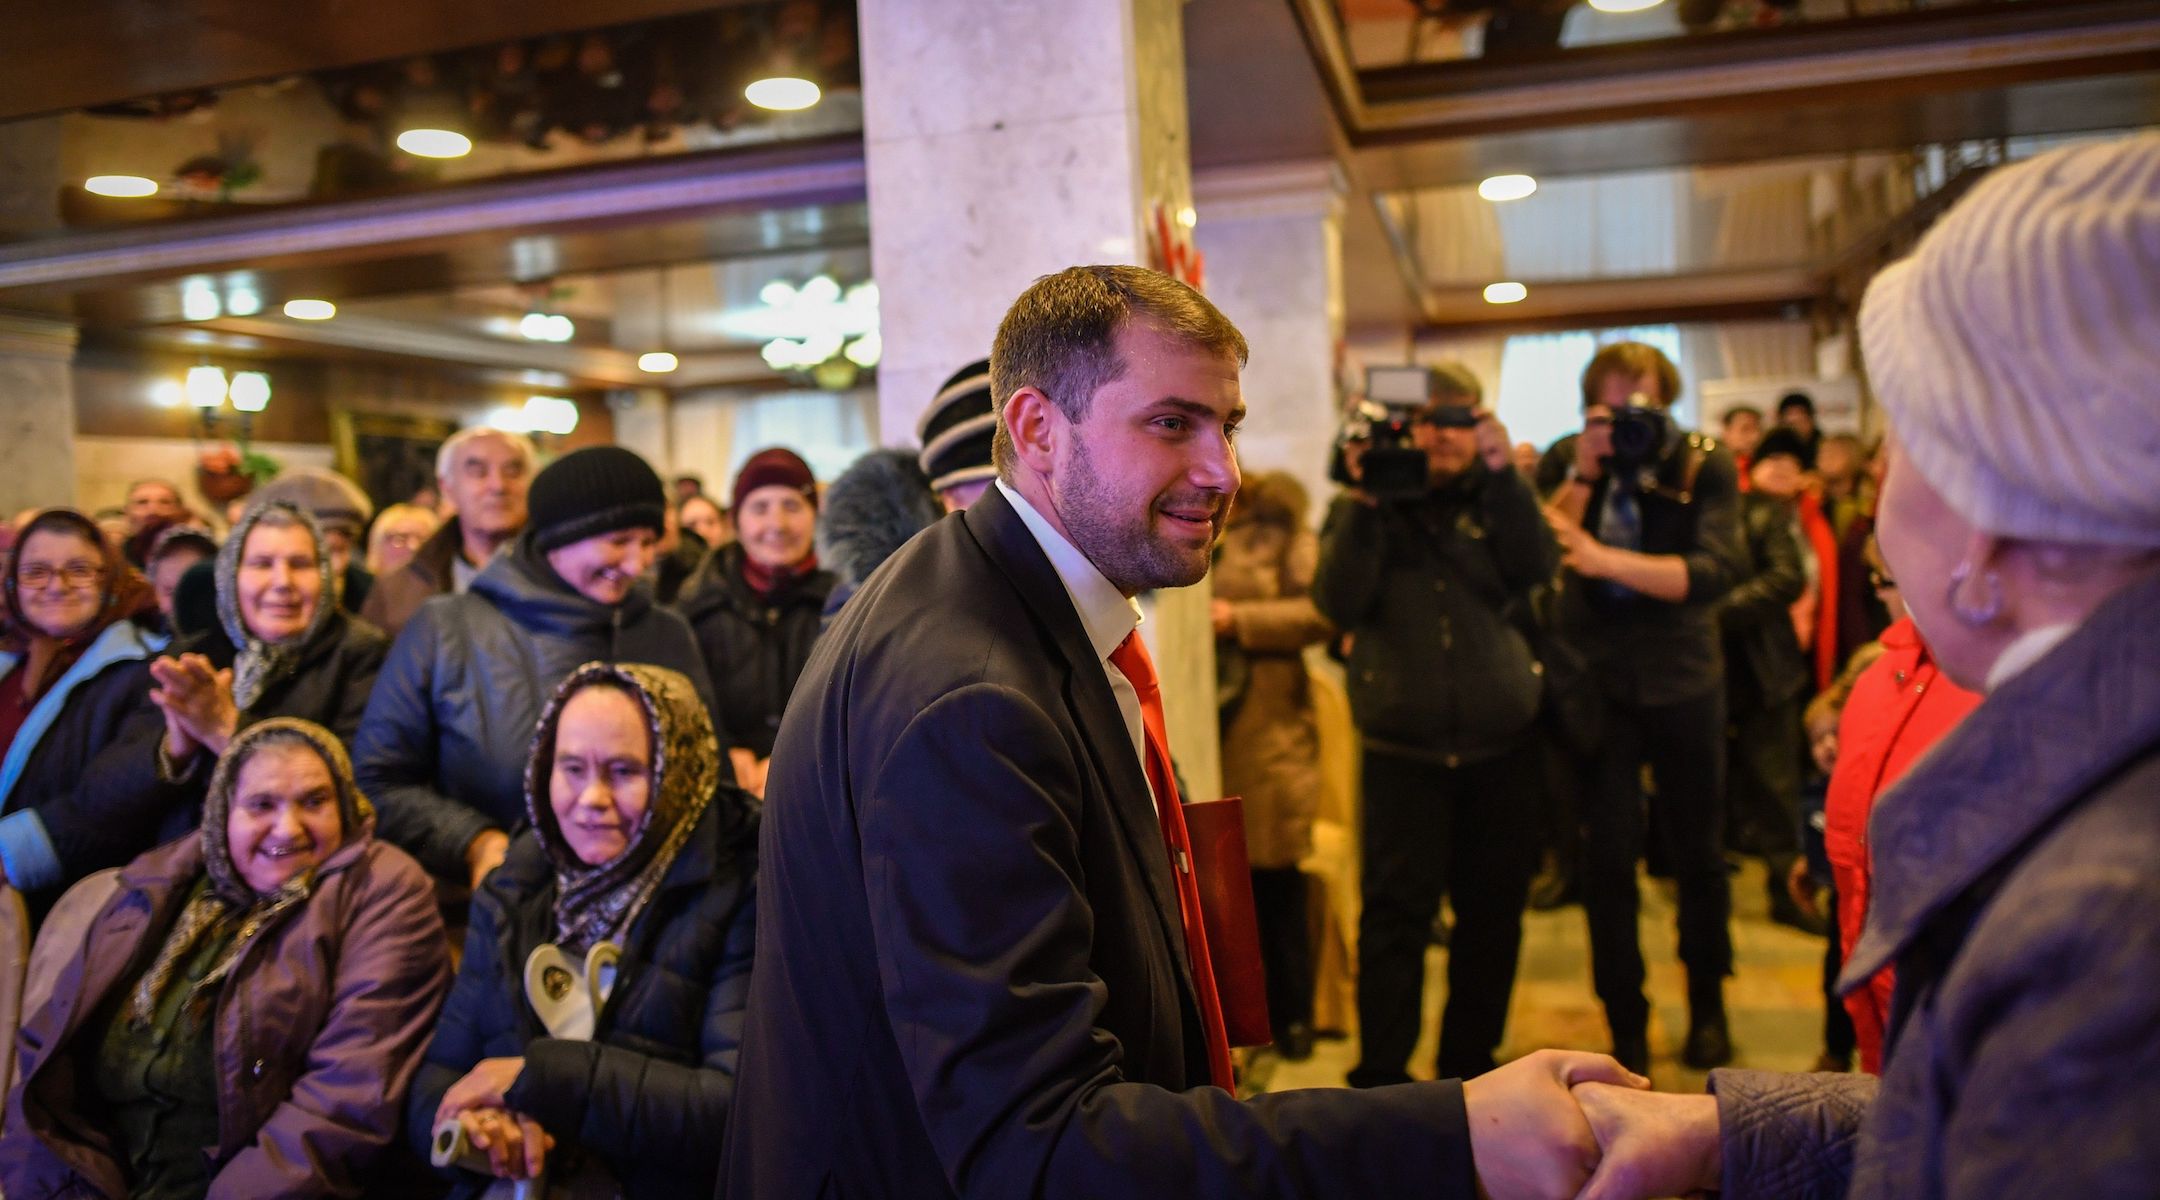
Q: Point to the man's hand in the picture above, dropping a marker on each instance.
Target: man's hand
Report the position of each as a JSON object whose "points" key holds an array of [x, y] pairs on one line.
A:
{"points": [[1527, 1138], [485, 854], [1223, 617], [1492, 442], [1580, 551], [1653, 1143]]}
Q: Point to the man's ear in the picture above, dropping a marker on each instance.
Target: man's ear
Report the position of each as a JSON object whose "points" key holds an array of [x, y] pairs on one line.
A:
{"points": [[1035, 426]]}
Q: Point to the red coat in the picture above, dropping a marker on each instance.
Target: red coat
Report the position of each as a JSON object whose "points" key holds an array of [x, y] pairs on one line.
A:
{"points": [[1900, 706]]}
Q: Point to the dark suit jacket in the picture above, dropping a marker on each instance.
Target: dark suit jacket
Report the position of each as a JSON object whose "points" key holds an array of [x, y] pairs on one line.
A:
{"points": [[970, 978]]}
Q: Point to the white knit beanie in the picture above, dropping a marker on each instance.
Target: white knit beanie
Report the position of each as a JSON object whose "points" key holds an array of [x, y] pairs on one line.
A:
{"points": [[2017, 351]]}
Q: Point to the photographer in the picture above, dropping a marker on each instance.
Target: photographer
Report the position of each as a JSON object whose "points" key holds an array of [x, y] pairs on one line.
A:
{"points": [[1427, 560], [1647, 518]]}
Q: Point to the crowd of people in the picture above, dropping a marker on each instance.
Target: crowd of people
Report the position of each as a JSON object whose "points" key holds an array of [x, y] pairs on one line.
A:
{"points": [[463, 849]]}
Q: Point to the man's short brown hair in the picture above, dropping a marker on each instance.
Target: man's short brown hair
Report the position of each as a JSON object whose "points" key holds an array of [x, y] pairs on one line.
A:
{"points": [[1632, 359], [1060, 336]]}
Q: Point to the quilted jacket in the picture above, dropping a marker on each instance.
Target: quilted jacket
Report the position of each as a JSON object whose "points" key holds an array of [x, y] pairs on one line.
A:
{"points": [[2014, 887]]}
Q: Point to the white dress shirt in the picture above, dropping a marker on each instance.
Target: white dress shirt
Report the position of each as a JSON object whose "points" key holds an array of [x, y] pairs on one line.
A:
{"points": [[1106, 614]]}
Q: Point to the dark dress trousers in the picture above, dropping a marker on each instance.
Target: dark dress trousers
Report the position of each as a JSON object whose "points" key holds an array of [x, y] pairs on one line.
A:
{"points": [[970, 974]]}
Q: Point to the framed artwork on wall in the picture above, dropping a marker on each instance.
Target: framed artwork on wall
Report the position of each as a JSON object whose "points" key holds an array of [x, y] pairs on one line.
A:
{"points": [[390, 455]]}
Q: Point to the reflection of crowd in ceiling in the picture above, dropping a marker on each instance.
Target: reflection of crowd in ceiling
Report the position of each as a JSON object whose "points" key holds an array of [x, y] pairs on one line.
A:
{"points": [[647, 81]]}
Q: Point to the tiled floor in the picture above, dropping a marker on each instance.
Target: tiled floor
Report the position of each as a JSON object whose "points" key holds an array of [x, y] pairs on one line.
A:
{"points": [[1773, 1003]]}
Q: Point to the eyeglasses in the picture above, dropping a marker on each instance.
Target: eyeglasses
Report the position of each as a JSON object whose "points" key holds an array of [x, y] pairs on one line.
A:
{"points": [[403, 541], [74, 576]]}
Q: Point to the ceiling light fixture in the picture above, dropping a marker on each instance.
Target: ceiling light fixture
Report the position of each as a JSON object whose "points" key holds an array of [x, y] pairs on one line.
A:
{"points": [[1624, 6], [783, 93], [546, 327], [310, 310], [125, 187], [241, 301], [660, 362], [199, 301], [1504, 293], [434, 143], [1502, 188], [205, 386], [551, 414], [250, 391]]}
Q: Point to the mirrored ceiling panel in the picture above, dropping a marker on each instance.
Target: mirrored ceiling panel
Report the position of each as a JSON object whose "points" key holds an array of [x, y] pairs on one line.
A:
{"points": [[734, 76]]}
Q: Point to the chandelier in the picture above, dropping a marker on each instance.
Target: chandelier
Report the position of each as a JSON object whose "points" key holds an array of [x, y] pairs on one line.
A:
{"points": [[817, 330]]}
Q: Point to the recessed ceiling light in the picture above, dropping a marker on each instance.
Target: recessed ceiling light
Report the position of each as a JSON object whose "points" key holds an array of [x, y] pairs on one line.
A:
{"points": [[434, 143], [1504, 293], [310, 310], [657, 362], [1624, 6], [782, 93], [1502, 188], [199, 301], [127, 187]]}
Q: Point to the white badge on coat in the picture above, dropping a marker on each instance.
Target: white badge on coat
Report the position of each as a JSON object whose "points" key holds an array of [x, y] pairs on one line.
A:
{"points": [[568, 995]]}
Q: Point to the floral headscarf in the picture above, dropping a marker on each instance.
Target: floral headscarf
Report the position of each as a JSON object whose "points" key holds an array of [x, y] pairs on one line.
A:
{"points": [[599, 903], [229, 902], [259, 664]]}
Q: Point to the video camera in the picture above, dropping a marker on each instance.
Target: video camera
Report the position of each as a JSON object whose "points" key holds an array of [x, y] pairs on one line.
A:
{"points": [[1391, 466]]}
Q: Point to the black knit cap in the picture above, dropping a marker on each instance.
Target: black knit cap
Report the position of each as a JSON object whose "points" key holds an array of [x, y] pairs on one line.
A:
{"points": [[1784, 441], [597, 490], [957, 429]]}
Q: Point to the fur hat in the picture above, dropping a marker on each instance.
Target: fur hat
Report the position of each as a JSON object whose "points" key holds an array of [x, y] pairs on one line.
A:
{"points": [[871, 511]]}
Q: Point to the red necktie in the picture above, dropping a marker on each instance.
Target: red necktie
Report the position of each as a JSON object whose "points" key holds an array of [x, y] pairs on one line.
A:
{"points": [[1131, 658]]}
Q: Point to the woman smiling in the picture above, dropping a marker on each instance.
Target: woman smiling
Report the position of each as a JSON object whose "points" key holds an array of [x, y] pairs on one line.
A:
{"points": [[238, 1013], [593, 1028]]}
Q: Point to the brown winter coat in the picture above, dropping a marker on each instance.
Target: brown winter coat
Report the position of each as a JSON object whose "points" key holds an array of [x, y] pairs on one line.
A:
{"points": [[317, 1032], [1270, 742]]}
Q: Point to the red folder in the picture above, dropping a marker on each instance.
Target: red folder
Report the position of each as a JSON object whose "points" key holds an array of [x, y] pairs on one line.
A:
{"points": [[1216, 829]]}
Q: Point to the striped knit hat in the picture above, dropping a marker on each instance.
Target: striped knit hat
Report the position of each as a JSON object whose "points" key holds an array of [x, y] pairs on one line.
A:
{"points": [[2017, 350], [956, 430]]}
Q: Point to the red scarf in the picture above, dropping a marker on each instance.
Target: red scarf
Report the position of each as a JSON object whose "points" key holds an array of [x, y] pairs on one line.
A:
{"points": [[767, 581]]}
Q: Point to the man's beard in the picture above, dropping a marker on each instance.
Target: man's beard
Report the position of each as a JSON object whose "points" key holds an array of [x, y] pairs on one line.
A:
{"points": [[1121, 543]]}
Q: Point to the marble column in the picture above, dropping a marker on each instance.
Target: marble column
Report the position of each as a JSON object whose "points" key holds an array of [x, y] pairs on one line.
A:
{"points": [[1007, 140], [1272, 235], [37, 413]]}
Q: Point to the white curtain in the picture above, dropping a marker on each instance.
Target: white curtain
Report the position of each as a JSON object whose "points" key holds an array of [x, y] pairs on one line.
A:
{"points": [[829, 429], [1540, 392]]}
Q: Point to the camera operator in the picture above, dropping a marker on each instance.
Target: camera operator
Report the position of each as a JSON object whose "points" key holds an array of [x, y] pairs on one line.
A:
{"points": [[1425, 568], [1647, 518]]}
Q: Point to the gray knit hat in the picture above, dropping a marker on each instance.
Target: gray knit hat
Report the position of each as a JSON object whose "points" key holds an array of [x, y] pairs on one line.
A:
{"points": [[2017, 351]]}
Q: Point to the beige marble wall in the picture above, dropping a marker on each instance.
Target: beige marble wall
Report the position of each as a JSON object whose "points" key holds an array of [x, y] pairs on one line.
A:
{"points": [[37, 413], [1008, 139], [1273, 240]]}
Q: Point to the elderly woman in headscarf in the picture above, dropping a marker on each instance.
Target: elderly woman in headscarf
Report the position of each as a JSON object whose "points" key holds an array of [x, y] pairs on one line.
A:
{"points": [[73, 670], [592, 1033], [2016, 354], [235, 1014], [284, 648]]}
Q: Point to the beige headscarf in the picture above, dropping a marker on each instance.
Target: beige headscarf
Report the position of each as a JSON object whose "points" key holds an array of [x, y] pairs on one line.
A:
{"points": [[599, 903], [229, 901]]}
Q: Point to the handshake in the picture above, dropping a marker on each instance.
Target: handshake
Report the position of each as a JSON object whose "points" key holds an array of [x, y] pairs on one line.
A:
{"points": [[1559, 1124]]}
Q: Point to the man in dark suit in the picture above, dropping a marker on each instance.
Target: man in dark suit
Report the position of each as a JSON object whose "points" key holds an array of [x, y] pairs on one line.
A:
{"points": [[974, 976]]}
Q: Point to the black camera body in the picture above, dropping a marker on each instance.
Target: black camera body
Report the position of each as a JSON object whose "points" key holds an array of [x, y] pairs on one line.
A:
{"points": [[1639, 434]]}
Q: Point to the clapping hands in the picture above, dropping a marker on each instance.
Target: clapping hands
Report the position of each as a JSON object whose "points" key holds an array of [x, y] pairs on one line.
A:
{"points": [[1559, 1124], [197, 701]]}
